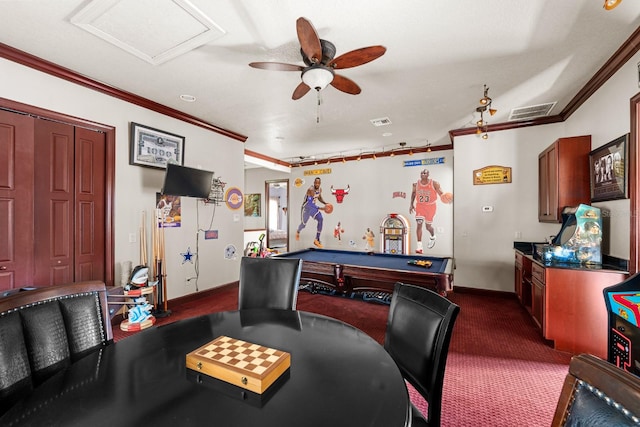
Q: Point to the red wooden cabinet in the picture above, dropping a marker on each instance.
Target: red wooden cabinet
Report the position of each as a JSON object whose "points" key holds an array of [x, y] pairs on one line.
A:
{"points": [[567, 303], [575, 315], [563, 177]]}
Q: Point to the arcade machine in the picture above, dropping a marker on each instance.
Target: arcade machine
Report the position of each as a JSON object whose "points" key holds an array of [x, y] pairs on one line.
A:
{"points": [[579, 238], [394, 230], [622, 301]]}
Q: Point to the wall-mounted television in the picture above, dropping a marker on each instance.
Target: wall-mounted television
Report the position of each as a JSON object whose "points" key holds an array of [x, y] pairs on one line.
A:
{"points": [[188, 182]]}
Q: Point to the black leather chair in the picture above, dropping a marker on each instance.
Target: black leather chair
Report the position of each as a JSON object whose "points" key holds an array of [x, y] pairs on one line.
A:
{"points": [[418, 334], [45, 329], [597, 393], [269, 283]]}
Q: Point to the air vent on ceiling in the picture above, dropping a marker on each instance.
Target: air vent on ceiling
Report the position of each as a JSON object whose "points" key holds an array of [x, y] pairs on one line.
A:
{"points": [[384, 121], [533, 111]]}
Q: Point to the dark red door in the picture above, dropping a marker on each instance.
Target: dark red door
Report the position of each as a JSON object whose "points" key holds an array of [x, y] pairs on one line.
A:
{"points": [[90, 179], [69, 220], [54, 203], [16, 200]]}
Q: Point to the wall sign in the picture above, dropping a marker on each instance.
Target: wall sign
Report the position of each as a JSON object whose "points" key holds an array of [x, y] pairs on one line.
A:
{"points": [[425, 162], [492, 175], [317, 172]]}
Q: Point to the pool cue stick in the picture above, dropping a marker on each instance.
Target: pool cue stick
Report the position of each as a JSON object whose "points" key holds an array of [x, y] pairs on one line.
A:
{"points": [[143, 239], [164, 267], [154, 243]]}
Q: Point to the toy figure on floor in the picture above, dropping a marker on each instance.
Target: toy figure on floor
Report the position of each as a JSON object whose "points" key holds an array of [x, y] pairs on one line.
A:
{"points": [[424, 195], [310, 209]]}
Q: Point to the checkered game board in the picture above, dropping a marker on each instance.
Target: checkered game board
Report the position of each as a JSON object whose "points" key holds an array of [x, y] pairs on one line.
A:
{"points": [[240, 354]]}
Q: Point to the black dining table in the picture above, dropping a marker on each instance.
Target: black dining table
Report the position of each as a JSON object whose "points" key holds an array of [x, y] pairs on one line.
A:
{"points": [[339, 376]]}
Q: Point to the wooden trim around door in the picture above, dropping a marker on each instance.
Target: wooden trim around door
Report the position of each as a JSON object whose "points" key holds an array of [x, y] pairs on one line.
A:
{"points": [[634, 188], [110, 165]]}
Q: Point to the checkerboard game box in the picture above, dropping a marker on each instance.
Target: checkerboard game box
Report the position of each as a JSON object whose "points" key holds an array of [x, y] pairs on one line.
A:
{"points": [[247, 365]]}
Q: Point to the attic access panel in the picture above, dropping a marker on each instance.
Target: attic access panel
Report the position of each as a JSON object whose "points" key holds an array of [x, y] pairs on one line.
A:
{"points": [[153, 30]]}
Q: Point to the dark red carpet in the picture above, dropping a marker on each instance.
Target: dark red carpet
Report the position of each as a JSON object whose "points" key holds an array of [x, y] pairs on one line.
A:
{"points": [[500, 372]]}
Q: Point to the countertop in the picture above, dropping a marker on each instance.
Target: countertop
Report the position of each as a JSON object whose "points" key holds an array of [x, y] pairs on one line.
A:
{"points": [[608, 262]]}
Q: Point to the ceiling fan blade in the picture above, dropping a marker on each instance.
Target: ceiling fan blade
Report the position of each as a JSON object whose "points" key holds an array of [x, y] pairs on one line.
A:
{"points": [[358, 57], [276, 66], [300, 91], [309, 40], [345, 85]]}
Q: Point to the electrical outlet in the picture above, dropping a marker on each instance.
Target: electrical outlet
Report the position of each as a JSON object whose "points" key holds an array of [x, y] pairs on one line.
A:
{"points": [[132, 237]]}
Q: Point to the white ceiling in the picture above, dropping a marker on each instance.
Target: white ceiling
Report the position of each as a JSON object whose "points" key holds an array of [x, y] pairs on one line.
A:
{"points": [[439, 56]]}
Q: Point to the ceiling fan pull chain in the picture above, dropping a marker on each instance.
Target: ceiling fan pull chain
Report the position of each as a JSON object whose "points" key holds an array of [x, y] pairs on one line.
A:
{"points": [[318, 107]]}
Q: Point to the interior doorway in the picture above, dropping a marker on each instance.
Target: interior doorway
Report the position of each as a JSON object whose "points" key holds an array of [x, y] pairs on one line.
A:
{"points": [[277, 214]]}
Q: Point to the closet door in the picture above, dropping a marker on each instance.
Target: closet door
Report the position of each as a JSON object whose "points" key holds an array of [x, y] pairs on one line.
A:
{"points": [[69, 204], [16, 200], [90, 178], [53, 203]]}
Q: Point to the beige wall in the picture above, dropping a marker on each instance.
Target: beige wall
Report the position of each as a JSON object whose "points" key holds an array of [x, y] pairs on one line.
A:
{"points": [[483, 242], [136, 187], [480, 242]]}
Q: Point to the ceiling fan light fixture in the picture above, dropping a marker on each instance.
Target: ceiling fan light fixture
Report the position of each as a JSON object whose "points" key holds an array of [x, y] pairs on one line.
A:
{"points": [[317, 77], [610, 4]]}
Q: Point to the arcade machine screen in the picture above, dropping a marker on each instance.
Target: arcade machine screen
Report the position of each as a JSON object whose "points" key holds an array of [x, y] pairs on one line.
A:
{"points": [[579, 238]]}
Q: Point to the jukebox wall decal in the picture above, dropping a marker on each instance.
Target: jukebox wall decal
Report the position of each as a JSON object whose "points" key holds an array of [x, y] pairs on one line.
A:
{"points": [[394, 232]]}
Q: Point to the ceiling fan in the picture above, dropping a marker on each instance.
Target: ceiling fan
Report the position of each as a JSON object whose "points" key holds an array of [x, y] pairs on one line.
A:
{"points": [[318, 55]]}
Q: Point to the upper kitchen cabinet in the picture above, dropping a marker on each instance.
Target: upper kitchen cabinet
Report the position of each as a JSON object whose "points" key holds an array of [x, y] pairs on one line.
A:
{"points": [[563, 177]]}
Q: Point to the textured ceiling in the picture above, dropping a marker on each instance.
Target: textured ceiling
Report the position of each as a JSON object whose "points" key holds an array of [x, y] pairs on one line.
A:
{"points": [[439, 56]]}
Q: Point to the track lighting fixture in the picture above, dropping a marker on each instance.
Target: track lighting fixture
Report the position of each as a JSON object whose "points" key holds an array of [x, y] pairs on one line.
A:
{"points": [[485, 107], [342, 157]]}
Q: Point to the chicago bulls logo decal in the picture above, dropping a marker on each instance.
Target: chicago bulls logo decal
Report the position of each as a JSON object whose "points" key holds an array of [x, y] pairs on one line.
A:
{"points": [[340, 193]]}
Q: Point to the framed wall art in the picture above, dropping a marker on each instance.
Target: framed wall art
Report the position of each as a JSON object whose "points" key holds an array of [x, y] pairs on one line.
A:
{"points": [[609, 167], [252, 204], [155, 148]]}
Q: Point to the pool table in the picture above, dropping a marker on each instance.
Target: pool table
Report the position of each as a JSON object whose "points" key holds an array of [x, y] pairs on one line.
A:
{"points": [[367, 272]]}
